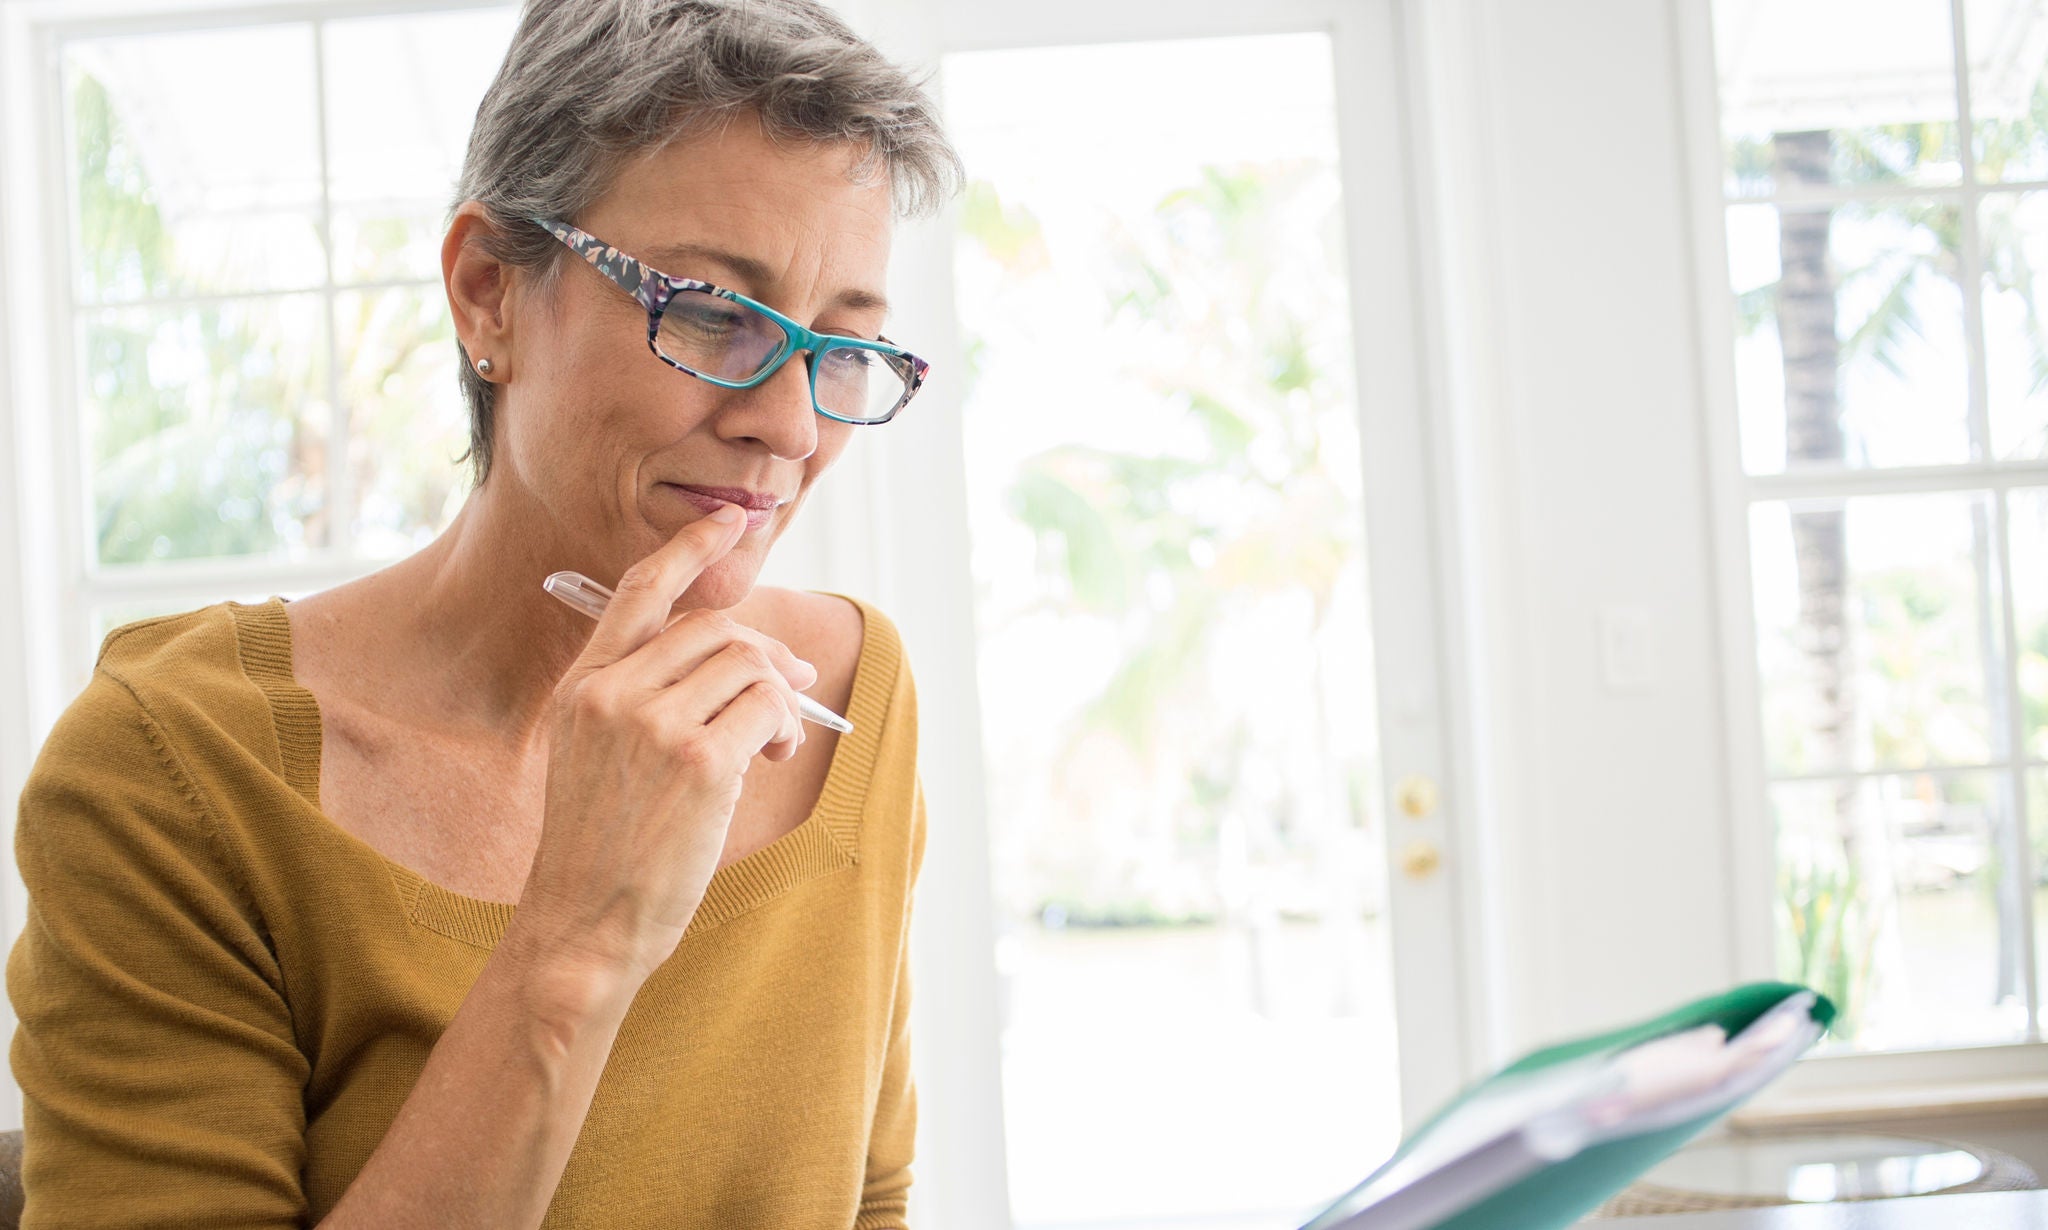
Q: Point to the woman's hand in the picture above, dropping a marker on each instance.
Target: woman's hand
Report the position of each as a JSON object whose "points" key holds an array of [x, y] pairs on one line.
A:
{"points": [[653, 729]]}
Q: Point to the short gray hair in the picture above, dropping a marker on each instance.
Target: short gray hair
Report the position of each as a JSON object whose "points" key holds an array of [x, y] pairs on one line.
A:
{"points": [[589, 84]]}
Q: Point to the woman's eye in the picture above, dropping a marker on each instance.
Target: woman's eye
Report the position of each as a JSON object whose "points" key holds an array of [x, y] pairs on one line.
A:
{"points": [[709, 321], [850, 360]]}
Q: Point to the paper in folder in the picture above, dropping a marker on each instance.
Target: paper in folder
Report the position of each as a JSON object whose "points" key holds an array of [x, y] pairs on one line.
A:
{"points": [[1549, 1138]]}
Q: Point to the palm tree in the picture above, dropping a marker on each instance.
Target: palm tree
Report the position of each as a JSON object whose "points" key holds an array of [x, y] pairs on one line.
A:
{"points": [[1805, 295], [1807, 300]]}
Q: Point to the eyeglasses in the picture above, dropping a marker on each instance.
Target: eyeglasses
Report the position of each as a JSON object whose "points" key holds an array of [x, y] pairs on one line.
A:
{"points": [[730, 340]]}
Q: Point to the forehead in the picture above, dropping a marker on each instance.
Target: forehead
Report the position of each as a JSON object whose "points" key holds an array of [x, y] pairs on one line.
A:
{"points": [[790, 214]]}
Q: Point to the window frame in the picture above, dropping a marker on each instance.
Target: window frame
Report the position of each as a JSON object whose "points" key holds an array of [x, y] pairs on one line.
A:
{"points": [[1860, 1085]]}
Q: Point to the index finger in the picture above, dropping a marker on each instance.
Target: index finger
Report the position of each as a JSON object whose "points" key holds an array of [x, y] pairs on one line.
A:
{"points": [[648, 590]]}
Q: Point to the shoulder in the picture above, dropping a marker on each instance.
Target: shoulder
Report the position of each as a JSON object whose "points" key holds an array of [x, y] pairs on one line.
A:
{"points": [[839, 635], [214, 660], [116, 751], [186, 663], [174, 690], [827, 630], [149, 647]]}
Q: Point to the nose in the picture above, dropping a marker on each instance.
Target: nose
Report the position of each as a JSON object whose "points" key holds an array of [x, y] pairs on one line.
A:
{"points": [[777, 412]]}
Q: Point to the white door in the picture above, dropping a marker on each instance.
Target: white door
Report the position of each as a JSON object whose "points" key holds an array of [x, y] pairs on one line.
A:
{"points": [[1160, 535]]}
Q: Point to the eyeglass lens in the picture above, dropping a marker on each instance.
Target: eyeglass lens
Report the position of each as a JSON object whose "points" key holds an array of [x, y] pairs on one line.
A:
{"points": [[731, 341]]}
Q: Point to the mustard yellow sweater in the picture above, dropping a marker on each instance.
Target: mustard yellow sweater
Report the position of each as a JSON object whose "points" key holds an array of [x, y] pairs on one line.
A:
{"points": [[224, 997]]}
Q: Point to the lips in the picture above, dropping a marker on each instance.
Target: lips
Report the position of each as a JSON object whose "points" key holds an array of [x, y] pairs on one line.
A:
{"points": [[759, 506], [752, 501]]}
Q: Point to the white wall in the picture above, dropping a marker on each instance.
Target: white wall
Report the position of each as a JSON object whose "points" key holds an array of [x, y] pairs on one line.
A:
{"points": [[1575, 409]]}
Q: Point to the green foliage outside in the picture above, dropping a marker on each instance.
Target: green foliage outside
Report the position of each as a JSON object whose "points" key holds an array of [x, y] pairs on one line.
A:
{"points": [[1169, 544], [207, 423], [1827, 938], [192, 461]]}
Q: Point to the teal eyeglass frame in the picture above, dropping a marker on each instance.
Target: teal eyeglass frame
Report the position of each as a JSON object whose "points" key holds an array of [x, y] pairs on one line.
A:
{"points": [[654, 290]]}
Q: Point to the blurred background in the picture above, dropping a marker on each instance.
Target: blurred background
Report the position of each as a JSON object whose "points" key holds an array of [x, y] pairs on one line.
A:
{"points": [[1434, 527]]}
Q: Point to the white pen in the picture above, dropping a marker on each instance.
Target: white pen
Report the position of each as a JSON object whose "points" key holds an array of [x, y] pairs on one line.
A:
{"points": [[587, 596]]}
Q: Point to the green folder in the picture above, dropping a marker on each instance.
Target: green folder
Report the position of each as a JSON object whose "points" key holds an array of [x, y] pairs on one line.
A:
{"points": [[1546, 1140]]}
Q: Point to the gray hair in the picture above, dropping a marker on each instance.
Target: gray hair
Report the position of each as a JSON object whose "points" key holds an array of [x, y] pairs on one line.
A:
{"points": [[587, 85]]}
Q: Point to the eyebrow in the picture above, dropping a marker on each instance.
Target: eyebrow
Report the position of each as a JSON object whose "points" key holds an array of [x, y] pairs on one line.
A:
{"points": [[752, 271]]}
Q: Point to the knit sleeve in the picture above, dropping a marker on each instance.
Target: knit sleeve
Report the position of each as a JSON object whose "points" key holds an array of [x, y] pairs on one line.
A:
{"points": [[885, 1197], [161, 1082]]}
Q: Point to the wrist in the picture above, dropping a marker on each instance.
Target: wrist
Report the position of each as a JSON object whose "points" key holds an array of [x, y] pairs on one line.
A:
{"points": [[568, 992]]}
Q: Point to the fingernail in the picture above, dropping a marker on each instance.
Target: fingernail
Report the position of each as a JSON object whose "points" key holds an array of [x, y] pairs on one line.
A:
{"points": [[729, 514]]}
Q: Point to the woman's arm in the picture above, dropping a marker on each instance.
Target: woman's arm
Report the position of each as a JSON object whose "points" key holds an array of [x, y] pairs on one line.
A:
{"points": [[885, 1189], [892, 1138], [162, 1083], [654, 727], [486, 1132]]}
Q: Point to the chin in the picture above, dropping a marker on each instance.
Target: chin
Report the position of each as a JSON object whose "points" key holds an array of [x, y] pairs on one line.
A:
{"points": [[725, 584]]}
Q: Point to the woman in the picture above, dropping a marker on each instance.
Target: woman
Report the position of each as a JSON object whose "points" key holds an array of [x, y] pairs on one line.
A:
{"points": [[425, 901]]}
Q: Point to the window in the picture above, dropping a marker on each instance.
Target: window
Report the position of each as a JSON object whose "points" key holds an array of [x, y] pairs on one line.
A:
{"points": [[264, 388], [1884, 175]]}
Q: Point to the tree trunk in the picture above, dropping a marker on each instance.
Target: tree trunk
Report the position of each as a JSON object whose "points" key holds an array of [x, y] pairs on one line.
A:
{"points": [[1806, 302], [1813, 434]]}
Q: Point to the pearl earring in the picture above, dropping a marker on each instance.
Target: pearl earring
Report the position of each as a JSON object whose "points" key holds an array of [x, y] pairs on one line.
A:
{"points": [[483, 367]]}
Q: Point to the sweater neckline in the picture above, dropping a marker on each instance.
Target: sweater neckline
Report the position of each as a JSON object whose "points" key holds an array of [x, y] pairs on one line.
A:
{"points": [[827, 840]]}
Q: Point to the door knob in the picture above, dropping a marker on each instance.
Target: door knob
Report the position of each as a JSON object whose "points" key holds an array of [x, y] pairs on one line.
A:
{"points": [[1416, 796], [1421, 859]]}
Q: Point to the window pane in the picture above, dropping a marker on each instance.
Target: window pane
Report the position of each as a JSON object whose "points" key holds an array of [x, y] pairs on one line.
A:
{"points": [[1849, 336], [391, 242], [2015, 239], [1889, 902], [406, 418], [1836, 91], [1876, 633], [2008, 88], [207, 429], [402, 94], [2028, 518], [1173, 513], [183, 187]]}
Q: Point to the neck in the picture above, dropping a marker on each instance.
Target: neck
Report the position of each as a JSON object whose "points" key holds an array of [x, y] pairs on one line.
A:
{"points": [[472, 634]]}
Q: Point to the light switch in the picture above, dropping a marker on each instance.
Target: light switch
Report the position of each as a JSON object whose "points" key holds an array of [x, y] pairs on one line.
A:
{"points": [[1628, 661]]}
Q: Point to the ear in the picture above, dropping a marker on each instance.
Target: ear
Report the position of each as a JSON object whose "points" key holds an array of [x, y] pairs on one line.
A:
{"points": [[479, 286]]}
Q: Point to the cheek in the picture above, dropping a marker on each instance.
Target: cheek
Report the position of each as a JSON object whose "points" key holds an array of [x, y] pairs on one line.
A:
{"points": [[833, 440], [581, 395]]}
